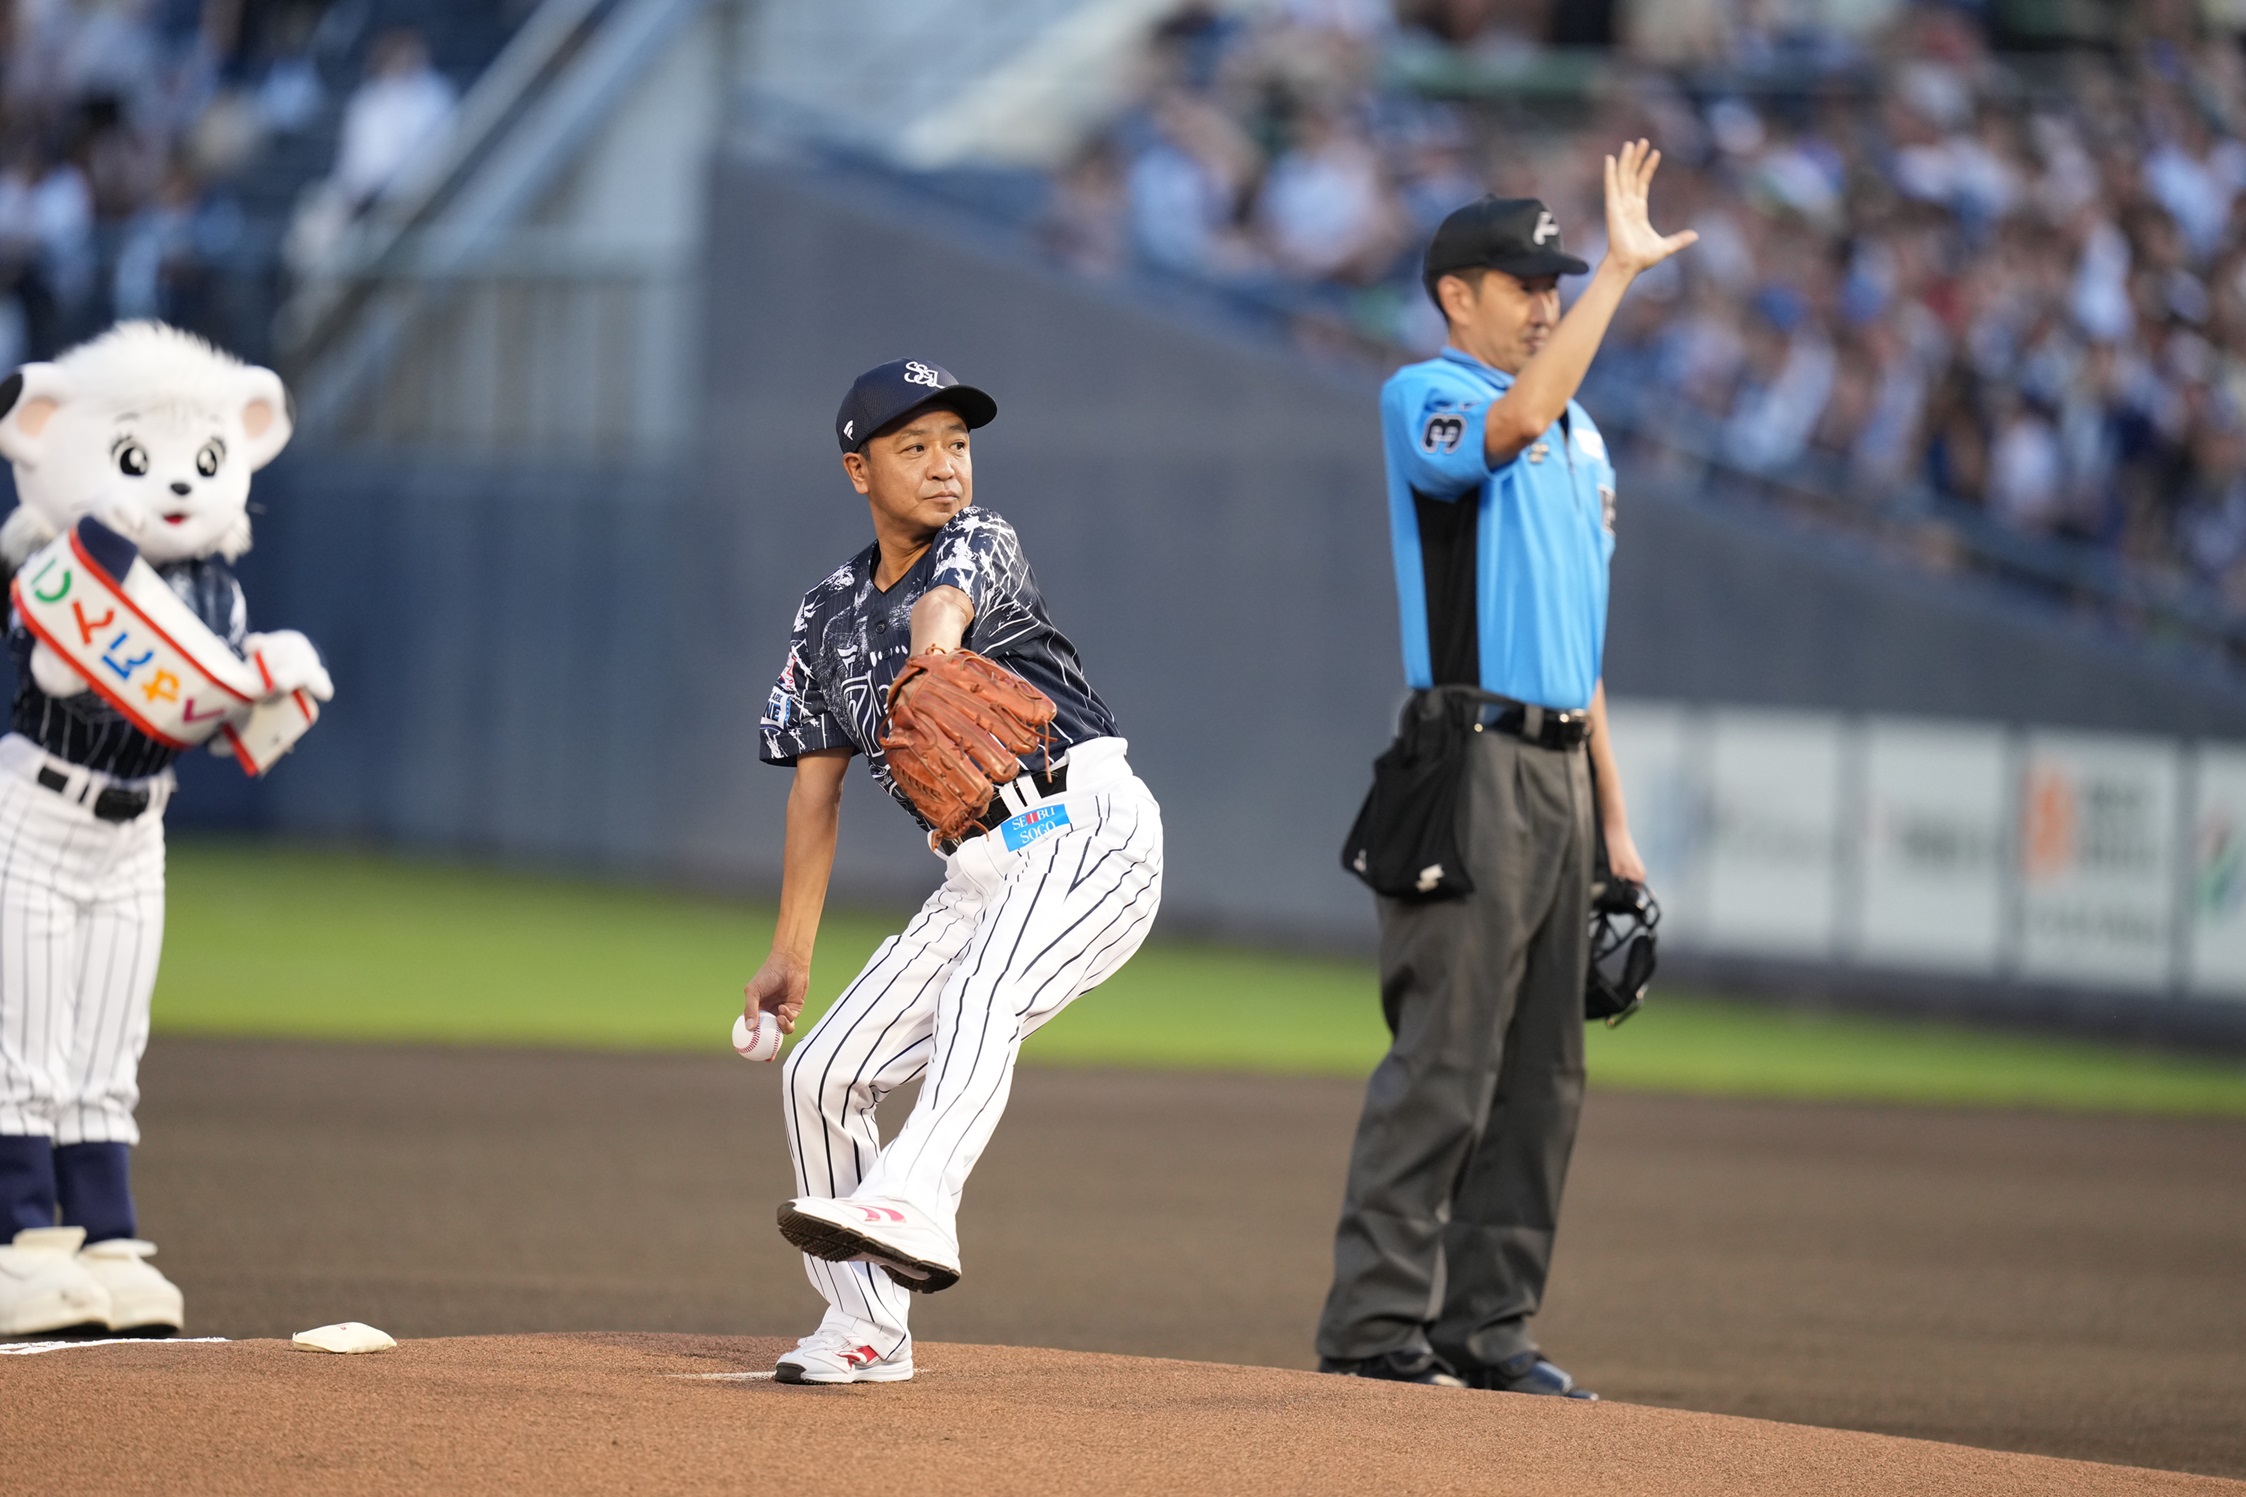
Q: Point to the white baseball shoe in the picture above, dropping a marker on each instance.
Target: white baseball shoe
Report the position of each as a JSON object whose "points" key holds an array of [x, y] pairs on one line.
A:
{"points": [[142, 1302], [42, 1286], [835, 1354], [897, 1238]]}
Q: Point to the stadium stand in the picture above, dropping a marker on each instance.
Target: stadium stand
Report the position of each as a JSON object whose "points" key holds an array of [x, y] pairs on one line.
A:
{"points": [[153, 157], [1973, 292]]}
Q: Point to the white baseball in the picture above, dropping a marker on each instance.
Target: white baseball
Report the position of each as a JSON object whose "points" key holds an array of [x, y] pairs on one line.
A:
{"points": [[760, 1043]]}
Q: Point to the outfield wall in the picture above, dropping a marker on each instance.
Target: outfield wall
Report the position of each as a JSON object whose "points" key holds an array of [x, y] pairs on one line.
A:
{"points": [[2039, 859]]}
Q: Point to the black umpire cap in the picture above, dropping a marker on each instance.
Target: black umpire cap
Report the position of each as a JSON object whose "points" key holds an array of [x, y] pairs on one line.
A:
{"points": [[897, 389], [1516, 235]]}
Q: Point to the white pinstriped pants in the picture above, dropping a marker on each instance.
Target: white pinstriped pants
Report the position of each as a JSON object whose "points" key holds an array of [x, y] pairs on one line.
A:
{"points": [[81, 928], [1006, 943]]}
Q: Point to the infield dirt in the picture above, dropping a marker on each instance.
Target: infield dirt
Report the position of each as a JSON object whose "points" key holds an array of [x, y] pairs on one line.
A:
{"points": [[570, 1414], [2057, 1284]]}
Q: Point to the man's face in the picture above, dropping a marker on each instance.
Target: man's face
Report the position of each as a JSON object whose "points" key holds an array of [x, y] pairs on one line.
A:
{"points": [[917, 472], [1499, 318]]}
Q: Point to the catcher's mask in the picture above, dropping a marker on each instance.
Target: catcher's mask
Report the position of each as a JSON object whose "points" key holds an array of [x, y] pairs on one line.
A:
{"points": [[1623, 918]]}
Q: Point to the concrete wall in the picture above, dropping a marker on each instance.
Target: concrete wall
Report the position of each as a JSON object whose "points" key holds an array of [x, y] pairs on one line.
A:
{"points": [[1723, 606], [502, 646]]}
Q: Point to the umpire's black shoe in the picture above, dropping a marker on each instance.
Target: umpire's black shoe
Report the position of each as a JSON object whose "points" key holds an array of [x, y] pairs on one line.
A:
{"points": [[1396, 1367], [1527, 1373]]}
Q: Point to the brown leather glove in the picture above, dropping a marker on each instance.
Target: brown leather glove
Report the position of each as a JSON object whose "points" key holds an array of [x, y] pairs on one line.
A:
{"points": [[958, 726]]}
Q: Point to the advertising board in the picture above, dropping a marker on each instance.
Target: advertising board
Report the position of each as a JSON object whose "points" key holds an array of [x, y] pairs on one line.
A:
{"points": [[1769, 885], [2097, 860], [2215, 876], [1934, 832]]}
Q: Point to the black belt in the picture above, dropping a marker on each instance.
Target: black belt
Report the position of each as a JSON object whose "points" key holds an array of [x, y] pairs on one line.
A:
{"points": [[1045, 783], [1543, 726], [111, 805]]}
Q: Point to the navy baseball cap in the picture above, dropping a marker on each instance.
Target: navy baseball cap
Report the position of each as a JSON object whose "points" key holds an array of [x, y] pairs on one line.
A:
{"points": [[900, 387], [1516, 235]]}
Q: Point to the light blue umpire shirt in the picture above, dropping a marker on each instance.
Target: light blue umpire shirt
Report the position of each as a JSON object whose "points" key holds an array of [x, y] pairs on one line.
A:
{"points": [[1501, 574]]}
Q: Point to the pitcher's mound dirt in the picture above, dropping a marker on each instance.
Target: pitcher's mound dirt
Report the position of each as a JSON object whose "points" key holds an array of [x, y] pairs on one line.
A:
{"points": [[644, 1413]]}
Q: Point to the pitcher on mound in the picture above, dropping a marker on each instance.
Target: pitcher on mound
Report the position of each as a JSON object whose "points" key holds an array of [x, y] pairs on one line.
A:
{"points": [[930, 652]]}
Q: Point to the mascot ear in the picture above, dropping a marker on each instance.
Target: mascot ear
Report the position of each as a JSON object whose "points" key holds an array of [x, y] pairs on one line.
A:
{"points": [[268, 415], [28, 401]]}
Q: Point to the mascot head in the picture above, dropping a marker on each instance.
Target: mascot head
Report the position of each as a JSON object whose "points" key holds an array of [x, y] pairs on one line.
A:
{"points": [[148, 429]]}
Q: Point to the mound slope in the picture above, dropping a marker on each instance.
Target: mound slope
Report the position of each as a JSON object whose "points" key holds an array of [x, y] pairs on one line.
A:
{"points": [[664, 1413]]}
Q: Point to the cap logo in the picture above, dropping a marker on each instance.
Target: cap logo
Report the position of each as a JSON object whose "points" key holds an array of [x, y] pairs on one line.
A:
{"points": [[1547, 227], [921, 374], [848, 429]]}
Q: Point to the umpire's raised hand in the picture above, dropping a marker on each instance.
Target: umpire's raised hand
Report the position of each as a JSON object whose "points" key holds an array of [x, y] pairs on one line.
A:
{"points": [[1633, 244]]}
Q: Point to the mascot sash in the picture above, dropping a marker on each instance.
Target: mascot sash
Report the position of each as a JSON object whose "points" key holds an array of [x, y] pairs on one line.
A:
{"points": [[90, 598]]}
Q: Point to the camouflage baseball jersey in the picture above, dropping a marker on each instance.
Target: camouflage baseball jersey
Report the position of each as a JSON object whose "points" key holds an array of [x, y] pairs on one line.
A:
{"points": [[851, 639]]}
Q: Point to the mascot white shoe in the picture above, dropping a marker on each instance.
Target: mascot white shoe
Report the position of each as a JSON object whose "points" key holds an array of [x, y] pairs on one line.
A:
{"points": [[132, 457], [43, 1287]]}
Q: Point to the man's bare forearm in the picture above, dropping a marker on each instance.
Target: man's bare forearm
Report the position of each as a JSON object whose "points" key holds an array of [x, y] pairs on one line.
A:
{"points": [[807, 860], [1614, 816], [1549, 381], [940, 619], [1546, 384], [1623, 859]]}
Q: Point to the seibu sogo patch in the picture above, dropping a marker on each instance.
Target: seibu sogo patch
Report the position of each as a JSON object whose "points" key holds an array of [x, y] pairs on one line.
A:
{"points": [[1038, 821]]}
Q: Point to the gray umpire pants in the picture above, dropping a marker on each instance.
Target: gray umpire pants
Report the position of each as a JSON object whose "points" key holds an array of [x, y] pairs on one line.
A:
{"points": [[1454, 1182]]}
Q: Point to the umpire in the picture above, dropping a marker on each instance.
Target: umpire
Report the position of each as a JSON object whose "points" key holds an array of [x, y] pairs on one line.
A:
{"points": [[1501, 506]]}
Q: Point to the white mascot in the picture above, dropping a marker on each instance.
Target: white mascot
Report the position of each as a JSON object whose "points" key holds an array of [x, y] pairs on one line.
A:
{"points": [[132, 456]]}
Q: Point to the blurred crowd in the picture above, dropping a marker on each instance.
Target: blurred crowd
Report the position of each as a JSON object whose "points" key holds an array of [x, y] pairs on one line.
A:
{"points": [[1927, 263], [150, 155]]}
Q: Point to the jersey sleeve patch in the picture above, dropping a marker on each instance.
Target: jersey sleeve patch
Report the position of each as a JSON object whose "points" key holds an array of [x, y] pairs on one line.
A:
{"points": [[1441, 432], [1431, 429]]}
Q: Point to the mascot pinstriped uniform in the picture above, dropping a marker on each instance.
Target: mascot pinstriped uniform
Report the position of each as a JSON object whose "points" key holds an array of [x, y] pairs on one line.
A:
{"points": [[132, 457]]}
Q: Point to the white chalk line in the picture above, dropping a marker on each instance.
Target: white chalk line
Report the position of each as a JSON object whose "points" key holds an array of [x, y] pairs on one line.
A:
{"points": [[725, 1377], [40, 1348]]}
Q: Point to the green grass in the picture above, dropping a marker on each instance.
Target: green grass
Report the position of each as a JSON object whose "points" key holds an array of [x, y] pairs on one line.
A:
{"points": [[283, 941]]}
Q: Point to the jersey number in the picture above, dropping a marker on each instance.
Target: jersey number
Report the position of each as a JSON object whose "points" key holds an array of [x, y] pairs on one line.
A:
{"points": [[1442, 433]]}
